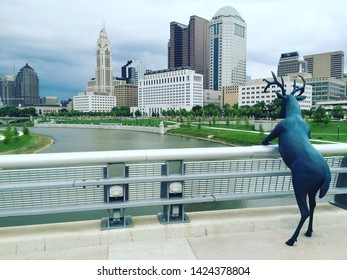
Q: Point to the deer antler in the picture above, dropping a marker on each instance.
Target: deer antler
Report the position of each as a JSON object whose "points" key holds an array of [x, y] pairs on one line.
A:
{"points": [[275, 82], [297, 88]]}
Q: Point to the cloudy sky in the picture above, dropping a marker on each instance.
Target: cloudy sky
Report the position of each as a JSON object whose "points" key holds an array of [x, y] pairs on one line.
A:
{"points": [[58, 37]]}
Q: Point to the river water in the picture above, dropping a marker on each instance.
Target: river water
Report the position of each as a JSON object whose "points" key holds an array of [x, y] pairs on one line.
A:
{"points": [[84, 140]]}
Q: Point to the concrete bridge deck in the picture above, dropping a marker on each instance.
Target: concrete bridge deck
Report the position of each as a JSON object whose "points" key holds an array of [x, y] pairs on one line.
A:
{"points": [[247, 234]]}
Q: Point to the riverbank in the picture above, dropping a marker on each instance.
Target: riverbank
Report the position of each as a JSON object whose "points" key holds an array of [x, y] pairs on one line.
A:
{"points": [[209, 139], [224, 136], [27, 144], [138, 128]]}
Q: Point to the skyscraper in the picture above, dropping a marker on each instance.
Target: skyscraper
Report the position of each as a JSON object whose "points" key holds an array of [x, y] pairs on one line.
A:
{"points": [[133, 71], [189, 46], [327, 76], [290, 63], [178, 45], [228, 38], [104, 69], [8, 89], [325, 65], [27, 87]]}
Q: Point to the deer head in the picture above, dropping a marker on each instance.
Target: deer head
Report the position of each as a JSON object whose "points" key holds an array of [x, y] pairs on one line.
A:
{"points": [[287, 99]]}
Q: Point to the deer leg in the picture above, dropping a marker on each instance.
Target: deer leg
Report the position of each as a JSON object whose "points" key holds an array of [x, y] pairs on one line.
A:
{"points": [[304, 211], [312, 203]]}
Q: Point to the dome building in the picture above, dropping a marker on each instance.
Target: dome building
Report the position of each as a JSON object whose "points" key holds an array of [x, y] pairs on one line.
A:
{"points": [[228, 37]]}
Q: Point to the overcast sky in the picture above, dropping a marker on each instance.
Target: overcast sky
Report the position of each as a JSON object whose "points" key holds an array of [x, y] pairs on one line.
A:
{"points": [[58, 37]]}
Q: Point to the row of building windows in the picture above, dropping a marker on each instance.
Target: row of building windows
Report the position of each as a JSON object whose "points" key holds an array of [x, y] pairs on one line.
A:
{"points": [[164, 81]]}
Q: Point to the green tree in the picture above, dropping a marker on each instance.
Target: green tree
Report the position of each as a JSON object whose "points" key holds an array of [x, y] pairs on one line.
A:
{"points": [[246, 120], [259, 110], [181, 118], [25, 130], [326, 119], [15, 132], [238, 121], [214, 120], [199, 124], [319, 114], [8, 134], [138, 113], [337, 112], [227, 121], [273, 109]]}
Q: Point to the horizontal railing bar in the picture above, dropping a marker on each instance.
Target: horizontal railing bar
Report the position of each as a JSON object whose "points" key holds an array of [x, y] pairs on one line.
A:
{"points": [[144, 203], [86, 158], [136, 203], [186, 177], [102, 206], [147, 179]]}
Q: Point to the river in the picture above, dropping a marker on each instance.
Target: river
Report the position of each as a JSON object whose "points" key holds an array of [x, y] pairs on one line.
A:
{"points": [[85, 140]]}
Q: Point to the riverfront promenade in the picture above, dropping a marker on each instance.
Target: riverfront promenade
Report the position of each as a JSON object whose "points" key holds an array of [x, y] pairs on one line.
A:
{"points": [[247, 234]]}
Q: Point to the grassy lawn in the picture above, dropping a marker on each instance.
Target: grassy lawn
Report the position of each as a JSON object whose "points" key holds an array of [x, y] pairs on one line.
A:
{"points": [[333, 131], [236, 138], [26, 144]]}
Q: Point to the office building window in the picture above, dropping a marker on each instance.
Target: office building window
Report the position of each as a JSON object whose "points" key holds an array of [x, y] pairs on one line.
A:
{"points": [[239, 30]]}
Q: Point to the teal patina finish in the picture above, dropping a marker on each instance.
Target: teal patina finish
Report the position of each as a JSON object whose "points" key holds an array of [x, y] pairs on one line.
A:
{"points": [[310, 172]]}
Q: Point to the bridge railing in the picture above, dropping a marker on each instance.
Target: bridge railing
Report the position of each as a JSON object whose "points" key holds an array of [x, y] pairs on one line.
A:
{"points": [[170, 178]]}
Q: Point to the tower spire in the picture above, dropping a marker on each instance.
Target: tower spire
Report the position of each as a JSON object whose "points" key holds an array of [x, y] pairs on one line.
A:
{"points": [[104, 69]]}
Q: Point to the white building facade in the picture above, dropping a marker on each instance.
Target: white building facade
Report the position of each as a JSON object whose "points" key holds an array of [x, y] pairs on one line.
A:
{"points": [[169, 89], [93, 102], [253, 92], [228, 38]]}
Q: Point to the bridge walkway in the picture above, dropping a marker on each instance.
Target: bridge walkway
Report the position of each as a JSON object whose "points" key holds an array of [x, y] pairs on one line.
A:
{"points": [[247, 234]]}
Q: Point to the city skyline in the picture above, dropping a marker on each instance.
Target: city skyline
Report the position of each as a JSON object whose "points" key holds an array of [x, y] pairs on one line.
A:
{"points": [[58, 39]]}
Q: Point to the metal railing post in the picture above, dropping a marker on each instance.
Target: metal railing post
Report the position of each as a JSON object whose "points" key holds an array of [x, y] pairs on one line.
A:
{"points": [[115, 194], [172, 213]]}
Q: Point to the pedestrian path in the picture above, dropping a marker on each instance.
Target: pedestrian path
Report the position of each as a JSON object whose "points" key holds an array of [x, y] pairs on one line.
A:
{"points": [[247, 234]]}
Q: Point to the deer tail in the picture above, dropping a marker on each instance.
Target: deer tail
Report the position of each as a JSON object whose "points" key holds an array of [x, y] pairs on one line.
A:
{"points": [[325, 187]]}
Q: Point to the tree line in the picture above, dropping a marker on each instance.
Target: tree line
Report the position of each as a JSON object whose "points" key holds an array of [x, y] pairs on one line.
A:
{"points": [[260, 110], [13, 111]]}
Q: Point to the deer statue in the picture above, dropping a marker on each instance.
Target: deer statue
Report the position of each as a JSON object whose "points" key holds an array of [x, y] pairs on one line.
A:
{"points": [[310, 172]]}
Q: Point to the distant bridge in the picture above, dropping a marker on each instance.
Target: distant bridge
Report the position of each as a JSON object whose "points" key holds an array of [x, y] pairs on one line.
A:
{"points": [[5, 120]]}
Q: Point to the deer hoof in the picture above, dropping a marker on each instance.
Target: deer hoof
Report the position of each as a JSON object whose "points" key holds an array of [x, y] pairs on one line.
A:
{"points": [[291, 242]]}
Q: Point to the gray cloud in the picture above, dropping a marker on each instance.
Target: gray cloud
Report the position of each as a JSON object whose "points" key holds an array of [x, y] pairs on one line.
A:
{"points": [[58, 38]]}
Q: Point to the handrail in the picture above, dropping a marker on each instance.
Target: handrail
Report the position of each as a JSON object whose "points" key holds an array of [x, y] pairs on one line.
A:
{"points": [[101, 157]]}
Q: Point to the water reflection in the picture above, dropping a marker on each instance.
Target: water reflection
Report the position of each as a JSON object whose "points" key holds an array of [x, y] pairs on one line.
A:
{"points": [[85, 140]]}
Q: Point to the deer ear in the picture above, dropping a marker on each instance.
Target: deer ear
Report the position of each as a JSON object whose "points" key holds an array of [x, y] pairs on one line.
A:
{"points": [[300, 97]]}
